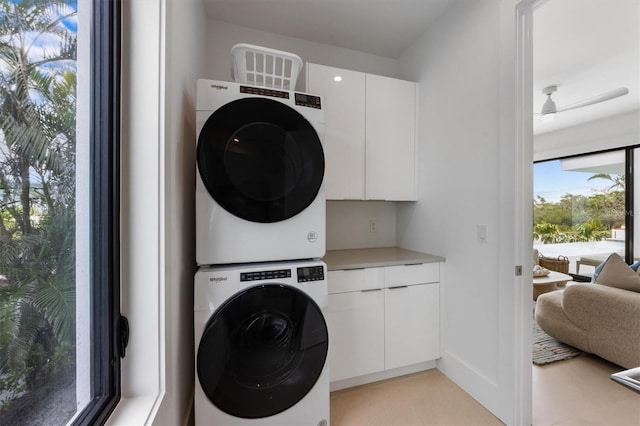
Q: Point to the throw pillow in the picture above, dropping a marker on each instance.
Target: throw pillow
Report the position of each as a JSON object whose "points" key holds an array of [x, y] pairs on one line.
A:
{"points": [[616, 273]]}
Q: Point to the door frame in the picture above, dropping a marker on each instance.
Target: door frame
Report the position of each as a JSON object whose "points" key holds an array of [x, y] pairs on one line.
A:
{"points": [[523, 221]]}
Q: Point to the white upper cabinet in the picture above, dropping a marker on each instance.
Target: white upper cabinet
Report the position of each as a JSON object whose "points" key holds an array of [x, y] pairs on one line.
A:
{"points": [[344, 138], [370, 134], [391, 139]]}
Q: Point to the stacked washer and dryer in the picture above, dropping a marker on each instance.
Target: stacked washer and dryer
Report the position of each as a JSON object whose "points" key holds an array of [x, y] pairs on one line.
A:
{"points": [[260, 293]]}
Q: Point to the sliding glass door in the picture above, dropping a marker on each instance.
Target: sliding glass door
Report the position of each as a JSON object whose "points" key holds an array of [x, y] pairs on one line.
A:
{"points": [[583, 207]]}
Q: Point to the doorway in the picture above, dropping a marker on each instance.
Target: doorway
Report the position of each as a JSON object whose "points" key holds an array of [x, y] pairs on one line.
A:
{"points": [[603, 127]]}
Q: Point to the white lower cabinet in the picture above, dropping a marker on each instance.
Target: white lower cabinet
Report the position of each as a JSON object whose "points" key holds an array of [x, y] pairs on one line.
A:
{"points": [[411, 325], [356, 332], [382, 318]]}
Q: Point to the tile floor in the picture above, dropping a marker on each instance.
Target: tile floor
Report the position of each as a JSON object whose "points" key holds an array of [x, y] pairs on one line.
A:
{"points": [[574, 392]]}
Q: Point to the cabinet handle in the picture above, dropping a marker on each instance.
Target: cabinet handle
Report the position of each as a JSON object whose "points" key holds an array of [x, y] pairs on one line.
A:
{"points": [[370, 289], [398, 286]]}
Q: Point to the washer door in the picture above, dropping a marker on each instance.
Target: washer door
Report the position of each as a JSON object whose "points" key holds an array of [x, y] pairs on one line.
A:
{"points": [[260, 160], [262, 351]]}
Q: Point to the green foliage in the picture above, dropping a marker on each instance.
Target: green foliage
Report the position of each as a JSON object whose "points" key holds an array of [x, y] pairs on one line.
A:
{"points": [[37, 194], [580, 218], [546, 232]]}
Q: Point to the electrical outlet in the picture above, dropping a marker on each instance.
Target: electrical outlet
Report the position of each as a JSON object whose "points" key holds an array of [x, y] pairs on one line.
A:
{"points": [[373, 226]]}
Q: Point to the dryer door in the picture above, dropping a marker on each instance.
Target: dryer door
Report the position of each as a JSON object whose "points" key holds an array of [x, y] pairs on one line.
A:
{"points": [[260, 160], [262, 351]]}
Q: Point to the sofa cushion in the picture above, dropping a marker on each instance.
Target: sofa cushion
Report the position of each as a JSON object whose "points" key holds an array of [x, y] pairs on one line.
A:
{"points": [[616, 273]]}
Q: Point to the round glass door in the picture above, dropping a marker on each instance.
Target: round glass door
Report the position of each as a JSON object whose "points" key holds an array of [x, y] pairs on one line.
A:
{"points": [[262, 351], [260, 160]]}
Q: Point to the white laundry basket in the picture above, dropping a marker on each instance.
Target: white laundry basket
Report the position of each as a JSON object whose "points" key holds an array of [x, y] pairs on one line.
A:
{"points": [[262, 66]]}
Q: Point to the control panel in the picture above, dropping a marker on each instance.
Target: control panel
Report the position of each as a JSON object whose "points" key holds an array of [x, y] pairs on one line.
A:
{"points": [[262, 91], [265, 275], [310, 273], [302, 99], [310, 101], [304, 274]]}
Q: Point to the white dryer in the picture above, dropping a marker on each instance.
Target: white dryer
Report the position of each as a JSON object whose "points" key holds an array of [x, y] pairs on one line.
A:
{"points": [[260, 169], [261, 343]]}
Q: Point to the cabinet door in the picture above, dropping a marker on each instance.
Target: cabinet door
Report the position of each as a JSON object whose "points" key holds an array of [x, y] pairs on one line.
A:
{"points": [[356, 334], [412, 324], [391, 139], [344, 137]]}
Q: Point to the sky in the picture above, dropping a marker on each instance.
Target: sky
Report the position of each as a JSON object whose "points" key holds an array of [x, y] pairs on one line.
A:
{"points": [[551, 182]]}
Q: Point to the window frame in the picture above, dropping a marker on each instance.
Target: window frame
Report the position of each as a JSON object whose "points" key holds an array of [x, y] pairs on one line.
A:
{"points": [[105, 353], [629, 191]]}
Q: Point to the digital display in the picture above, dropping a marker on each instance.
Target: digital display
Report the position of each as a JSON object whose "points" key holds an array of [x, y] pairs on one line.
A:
{"points": [[313, 273], [310, 101]]}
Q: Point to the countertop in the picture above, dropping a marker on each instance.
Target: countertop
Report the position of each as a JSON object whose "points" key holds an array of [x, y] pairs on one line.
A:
{"points": [[375, 257]]}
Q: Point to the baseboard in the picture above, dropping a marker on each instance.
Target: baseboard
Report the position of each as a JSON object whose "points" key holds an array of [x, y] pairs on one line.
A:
{"points": [[381, 375], [478, 386]]}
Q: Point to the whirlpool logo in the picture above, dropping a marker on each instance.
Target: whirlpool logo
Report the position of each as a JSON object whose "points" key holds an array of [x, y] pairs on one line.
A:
{"points": [[217, 279], [219, 87]]}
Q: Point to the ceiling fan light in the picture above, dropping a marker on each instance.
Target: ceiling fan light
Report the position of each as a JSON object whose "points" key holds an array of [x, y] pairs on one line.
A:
{"points": [[548, 117], [549, 106]]}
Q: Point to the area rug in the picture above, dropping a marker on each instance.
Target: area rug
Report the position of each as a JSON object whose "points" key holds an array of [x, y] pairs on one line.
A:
{"points": [[546, 349]]}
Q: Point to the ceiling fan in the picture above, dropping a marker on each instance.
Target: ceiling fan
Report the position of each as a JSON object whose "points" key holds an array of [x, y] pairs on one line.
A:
{"points": [[549, 108]]}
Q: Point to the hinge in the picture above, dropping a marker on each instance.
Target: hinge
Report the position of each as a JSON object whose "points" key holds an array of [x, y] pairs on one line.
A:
{"points": [[518, 270], [123, 335]]}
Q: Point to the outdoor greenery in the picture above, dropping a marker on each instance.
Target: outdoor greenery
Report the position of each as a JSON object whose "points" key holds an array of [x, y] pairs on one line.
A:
{"points": [[37, 194], [581, 218]]}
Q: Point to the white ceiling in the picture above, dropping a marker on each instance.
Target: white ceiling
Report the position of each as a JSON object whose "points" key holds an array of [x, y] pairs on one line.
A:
{"points": [[585, 47], [380, 27]]}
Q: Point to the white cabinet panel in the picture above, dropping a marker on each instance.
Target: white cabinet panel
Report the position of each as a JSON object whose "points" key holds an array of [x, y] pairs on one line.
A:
{"points": [[344, 137], [391, 144], [343, 281], [412, 324], [356, 334], [411, 274]]}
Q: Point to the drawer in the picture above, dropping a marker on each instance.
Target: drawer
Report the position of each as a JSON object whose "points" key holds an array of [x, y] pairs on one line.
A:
{"points": [[343, 281], [411, 274]]}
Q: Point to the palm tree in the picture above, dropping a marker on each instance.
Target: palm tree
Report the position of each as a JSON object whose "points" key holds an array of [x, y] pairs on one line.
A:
{"points": [[37, 223], [617, 181]]}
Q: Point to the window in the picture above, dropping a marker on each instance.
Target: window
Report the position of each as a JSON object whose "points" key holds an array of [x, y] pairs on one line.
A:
{"points": [[583, 208], [60, 326]]}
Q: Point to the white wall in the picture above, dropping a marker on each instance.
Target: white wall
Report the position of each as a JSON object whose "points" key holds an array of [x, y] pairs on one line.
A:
{"points": [[462, 83], [222, 36], [348, 224], [611, 132]]}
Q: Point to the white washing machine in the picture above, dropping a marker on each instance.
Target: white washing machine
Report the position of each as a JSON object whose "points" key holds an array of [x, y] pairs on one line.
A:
{"points": [[261, 343], [260, 169]]}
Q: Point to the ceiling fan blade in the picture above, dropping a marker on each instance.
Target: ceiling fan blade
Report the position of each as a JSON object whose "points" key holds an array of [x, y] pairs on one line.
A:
{"points": [[621, 91]]}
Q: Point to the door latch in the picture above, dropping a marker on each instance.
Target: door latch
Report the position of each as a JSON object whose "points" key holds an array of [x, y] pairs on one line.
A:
{"points": [[123, 335]]}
